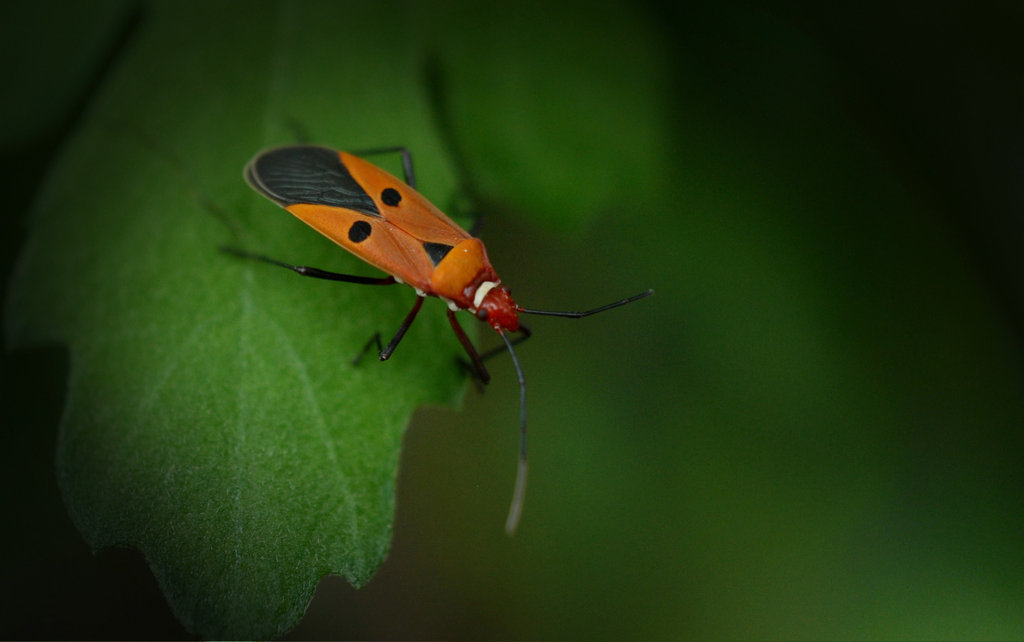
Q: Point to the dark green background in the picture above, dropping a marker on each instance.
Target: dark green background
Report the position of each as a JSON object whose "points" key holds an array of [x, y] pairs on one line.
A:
{"points": [[813, 430]]}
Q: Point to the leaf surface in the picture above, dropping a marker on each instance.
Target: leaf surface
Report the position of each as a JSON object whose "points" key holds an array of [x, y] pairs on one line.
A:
{"points": [[214, 419]]}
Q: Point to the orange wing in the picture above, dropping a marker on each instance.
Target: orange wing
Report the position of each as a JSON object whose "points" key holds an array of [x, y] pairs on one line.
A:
{"points": [[359, 206]]}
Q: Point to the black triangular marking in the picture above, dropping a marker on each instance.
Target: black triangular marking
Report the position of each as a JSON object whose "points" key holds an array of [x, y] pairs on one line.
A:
{"points": [[437, 251]]}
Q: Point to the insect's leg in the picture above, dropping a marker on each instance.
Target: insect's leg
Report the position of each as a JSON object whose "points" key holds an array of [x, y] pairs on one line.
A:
{"points": [[410, 177], [385, 354], [311, 271], [362, 353], [317, 273], [526, 334], [479, 371]]}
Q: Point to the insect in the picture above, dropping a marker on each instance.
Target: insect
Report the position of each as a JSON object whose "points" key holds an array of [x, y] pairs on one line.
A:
{"points": [[387, 223]]}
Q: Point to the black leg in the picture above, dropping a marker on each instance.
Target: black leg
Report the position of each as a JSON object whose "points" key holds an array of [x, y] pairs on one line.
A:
{"points": [[316, 273], [362, 353], [410, 177], [385, 354]]}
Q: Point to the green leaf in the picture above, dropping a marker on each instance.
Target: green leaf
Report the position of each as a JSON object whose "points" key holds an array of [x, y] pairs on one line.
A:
{"points": [[214, 420]]}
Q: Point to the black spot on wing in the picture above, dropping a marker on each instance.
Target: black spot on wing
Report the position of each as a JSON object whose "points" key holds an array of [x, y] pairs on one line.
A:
{"points": [[437, 251], [359, 232], [308, 174]]}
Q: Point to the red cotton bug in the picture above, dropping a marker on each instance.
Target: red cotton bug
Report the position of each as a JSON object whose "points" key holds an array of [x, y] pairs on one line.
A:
{"points": [[387, 223]]}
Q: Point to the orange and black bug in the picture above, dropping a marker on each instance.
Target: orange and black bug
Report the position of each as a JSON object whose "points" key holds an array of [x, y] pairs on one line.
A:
{"points": [[387, 223]]}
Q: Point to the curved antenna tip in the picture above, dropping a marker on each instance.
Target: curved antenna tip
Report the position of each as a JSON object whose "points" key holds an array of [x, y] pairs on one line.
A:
{"points": [[515, 511]]}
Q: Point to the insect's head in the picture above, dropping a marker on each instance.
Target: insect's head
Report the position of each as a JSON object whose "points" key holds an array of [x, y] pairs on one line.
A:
{"points": [[498, 309]]}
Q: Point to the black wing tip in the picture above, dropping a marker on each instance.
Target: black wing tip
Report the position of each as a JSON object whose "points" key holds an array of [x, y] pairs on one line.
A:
{"points": [[311, 174], [259, 171], [289, 153]]}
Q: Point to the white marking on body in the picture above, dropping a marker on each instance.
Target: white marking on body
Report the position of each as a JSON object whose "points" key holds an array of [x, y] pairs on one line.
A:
{"points": [[421, 292], [397, 280], [452, 305], [481, 292]]}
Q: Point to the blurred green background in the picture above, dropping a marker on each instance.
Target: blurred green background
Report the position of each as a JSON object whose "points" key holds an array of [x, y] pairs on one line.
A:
{"points": [[813, 430]]}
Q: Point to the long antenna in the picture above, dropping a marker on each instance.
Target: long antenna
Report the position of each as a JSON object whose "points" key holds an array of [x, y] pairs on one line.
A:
{"points": [[587, 313], [516, 509]]}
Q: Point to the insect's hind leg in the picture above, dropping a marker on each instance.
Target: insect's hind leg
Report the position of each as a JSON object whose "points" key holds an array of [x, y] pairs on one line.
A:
{"points": [[375, 339], [410, 176], [385, 353], [304, 270]]}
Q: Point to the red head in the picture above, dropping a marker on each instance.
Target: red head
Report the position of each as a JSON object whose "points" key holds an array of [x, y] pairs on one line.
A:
{"points": [[497, 307]]}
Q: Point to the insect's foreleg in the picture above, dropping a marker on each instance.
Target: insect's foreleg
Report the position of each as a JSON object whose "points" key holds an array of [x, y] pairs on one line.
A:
{"points": [[478, 369]]}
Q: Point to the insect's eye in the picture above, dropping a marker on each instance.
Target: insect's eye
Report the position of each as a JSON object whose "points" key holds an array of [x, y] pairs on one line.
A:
{"points": [[481, 314], [391, 197]]}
